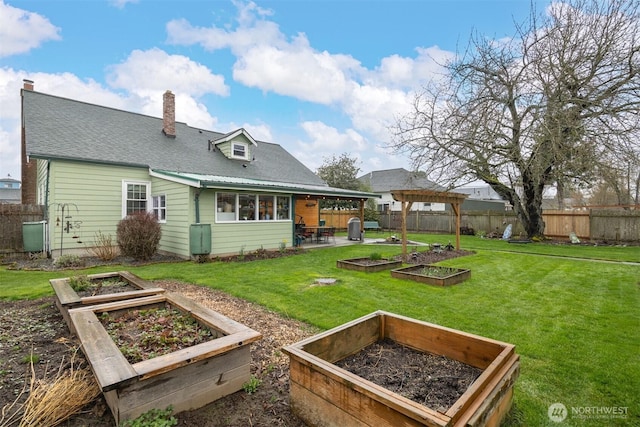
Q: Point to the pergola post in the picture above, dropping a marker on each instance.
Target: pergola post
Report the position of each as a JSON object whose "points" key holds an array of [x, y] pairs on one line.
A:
{"points": [[406, 206], [407, 197], [456, 210]]}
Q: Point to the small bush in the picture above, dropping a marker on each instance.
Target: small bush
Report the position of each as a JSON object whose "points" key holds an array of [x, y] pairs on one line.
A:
{"points": [[139, 236], [104, 248], [68, 260]]}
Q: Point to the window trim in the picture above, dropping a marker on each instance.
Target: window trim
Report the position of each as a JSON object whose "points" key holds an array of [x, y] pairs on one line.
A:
{"points": [[125, 185], [245, 149], [156, 209]]}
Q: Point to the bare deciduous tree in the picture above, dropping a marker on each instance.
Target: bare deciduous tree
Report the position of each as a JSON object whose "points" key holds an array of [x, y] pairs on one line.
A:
{"points": [[551, 106]]}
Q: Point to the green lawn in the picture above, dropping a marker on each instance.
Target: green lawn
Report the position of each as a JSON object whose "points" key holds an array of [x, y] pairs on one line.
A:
{"points": [[574, 318]]}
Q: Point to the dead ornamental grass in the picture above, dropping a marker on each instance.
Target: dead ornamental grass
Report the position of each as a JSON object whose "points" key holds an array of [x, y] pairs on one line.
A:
{"points": [[53, 400]]}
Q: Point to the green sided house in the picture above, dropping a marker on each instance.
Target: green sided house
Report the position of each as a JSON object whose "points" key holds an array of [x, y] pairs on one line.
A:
{"points": [[212, 193]]}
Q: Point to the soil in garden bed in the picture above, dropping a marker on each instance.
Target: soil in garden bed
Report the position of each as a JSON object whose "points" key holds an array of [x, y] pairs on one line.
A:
{"points": [[106, 286], [434, 381], [432, 256], [369, 261], [143, 334]]}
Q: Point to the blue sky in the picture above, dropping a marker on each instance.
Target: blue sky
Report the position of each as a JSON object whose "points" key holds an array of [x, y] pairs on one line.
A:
{"points": [[318, 77]]}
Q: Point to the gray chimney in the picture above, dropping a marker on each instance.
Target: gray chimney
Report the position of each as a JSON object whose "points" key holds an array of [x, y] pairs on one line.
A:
{"points": [[169, 114]]}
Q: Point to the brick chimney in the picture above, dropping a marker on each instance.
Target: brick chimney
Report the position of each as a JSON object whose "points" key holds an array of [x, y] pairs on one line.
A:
{"points": [[29, 166], [169, 114]]}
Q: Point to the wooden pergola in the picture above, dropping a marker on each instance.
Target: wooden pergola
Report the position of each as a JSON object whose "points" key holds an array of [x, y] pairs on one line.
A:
{"points": [[407, 197]]}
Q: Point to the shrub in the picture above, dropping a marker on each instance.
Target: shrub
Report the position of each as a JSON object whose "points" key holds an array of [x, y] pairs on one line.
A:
{"points": [[66, 261], [104, 248], [139, 236]]}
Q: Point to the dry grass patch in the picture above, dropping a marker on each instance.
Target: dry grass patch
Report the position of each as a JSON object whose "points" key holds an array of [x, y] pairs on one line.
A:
{"points": [[52, 400]]}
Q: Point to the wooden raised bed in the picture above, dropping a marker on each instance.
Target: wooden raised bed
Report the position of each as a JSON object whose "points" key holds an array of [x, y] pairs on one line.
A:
{"points": [[323, 394], [67, 298], [452, 276], [368, 265], [186, 379]]}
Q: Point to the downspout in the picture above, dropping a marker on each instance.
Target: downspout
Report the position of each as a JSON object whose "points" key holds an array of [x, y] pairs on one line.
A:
{"points": [[47, 240], [197, 206]]}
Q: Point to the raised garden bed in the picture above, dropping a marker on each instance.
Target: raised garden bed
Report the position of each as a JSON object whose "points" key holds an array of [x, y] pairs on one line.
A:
{"points": [[99, 288], [187, 378], [368, 265], [322, 393], [432, 274]]}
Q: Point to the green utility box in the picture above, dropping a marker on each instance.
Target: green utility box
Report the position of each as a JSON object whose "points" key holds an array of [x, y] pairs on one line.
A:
{"points": [[33, 236], [200, 239]]}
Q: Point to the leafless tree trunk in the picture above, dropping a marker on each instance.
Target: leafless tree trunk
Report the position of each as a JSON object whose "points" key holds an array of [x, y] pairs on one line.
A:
{"points": [[546, 107]]}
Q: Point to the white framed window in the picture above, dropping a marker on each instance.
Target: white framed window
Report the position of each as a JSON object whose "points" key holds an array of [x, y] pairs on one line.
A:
{"points": [[239, 150], [283, 207], [135, 197], [226, 207], [252, 207], [159, 204]]}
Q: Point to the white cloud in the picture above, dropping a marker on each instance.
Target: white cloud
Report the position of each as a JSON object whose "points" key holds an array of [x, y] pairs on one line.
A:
{"points": [[21, 31], [155, 70], [268, 60], [302, 74]]}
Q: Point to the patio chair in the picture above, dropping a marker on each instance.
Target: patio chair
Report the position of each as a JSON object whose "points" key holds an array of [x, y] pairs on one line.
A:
{"points": [[327, 233]]}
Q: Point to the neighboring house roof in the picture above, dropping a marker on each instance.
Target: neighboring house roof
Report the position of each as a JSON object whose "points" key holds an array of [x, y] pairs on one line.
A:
{"points": [[9, 182], [383, 181], [480, 192], [61, 128]]}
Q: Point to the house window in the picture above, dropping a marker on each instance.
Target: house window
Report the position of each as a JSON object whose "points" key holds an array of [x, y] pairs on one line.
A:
{"points": [[135, 197], [266, 208], [251, 207], [283, 207], [226, 207], [160, 207], [239, 151], [247, 207]]}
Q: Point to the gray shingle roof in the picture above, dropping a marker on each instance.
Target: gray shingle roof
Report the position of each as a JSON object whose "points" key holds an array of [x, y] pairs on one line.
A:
{"points": [[383, 181], [62, 128]]}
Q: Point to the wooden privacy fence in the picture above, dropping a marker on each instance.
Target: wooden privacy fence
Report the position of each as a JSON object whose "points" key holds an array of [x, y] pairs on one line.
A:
{"points": [[12, 216], [595, 224], [338, 218]]}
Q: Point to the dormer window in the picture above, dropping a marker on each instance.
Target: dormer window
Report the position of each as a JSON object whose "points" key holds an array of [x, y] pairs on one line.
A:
{"points": [[240, 151], [236, 145]]}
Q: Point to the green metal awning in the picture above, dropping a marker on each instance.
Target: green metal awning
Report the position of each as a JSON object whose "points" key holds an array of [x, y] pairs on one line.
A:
{"points": [[248, 184]]}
